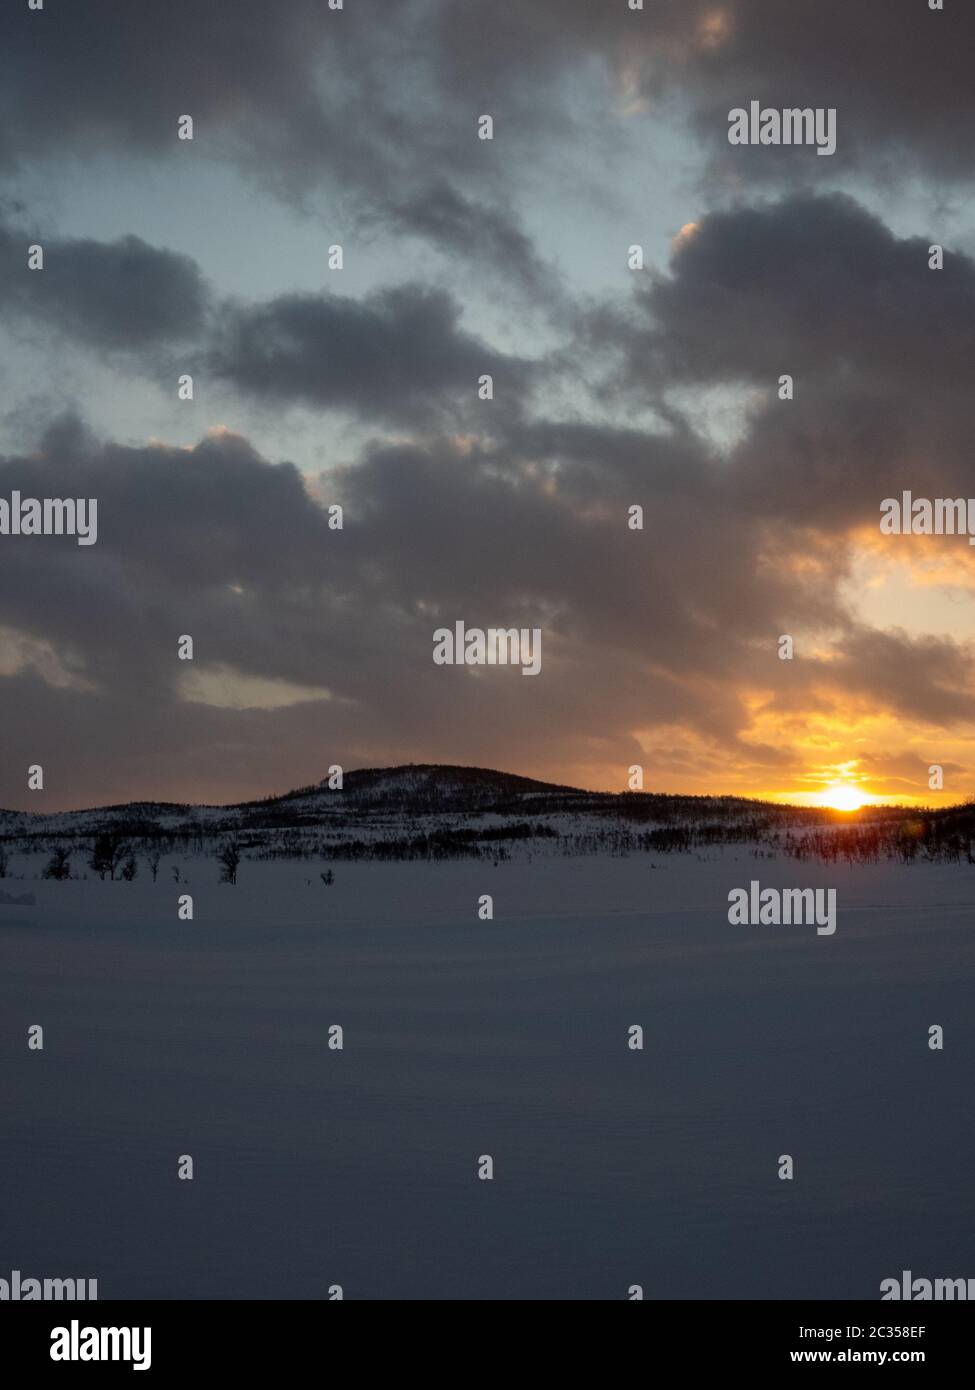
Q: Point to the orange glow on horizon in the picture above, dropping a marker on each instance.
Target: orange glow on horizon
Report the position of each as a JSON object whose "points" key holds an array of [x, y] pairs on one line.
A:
{"points": [[844, 797]]}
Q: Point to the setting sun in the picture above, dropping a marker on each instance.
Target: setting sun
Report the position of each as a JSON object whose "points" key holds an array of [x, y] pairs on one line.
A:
{"points": [[844, 797]]}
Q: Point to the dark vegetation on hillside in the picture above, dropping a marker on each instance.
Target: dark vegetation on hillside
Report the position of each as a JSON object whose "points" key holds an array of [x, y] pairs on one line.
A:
{"points": [[433, 813]]}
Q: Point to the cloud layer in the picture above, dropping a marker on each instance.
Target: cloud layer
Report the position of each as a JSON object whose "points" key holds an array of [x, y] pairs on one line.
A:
{"points": [[660, 646]]}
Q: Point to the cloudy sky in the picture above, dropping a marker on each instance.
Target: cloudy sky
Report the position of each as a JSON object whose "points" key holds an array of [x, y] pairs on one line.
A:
{"points": [[613, 387]]}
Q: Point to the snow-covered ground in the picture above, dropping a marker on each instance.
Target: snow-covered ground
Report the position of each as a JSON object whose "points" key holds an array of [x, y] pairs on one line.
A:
{"points": [[507, 1037]]}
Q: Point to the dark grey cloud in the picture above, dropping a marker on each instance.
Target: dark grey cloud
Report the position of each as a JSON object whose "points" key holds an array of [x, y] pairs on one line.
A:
{"points": [[818, 282], [897, 72], [109, 73], [397, 355], [377, 103], [817, 288], [487, 233], [124, 294], [661, 628], [516, 519], [298, 96], [176, 528]]}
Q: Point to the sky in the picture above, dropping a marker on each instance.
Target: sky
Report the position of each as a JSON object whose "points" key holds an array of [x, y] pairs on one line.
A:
{"points": [[317, 387]]}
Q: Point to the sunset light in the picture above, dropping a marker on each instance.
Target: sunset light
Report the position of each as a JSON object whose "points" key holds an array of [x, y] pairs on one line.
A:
{"points": [[844, 797], [487, 670]]}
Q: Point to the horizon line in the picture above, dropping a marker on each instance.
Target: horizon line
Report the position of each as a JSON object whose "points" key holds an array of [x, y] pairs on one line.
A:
{"points": [[876, 803]]}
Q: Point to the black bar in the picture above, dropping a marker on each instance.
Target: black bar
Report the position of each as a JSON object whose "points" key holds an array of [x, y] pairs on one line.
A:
{"points": [[250, 1338]]}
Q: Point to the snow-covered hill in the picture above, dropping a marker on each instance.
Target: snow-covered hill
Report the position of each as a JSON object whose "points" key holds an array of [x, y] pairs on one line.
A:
{"points": [[433, 811]]}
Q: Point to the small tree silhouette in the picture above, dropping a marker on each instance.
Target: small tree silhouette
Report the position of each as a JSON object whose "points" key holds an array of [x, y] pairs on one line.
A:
{"points": [[229, 857], [59, 866], [152, 858], [108, 853]]}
